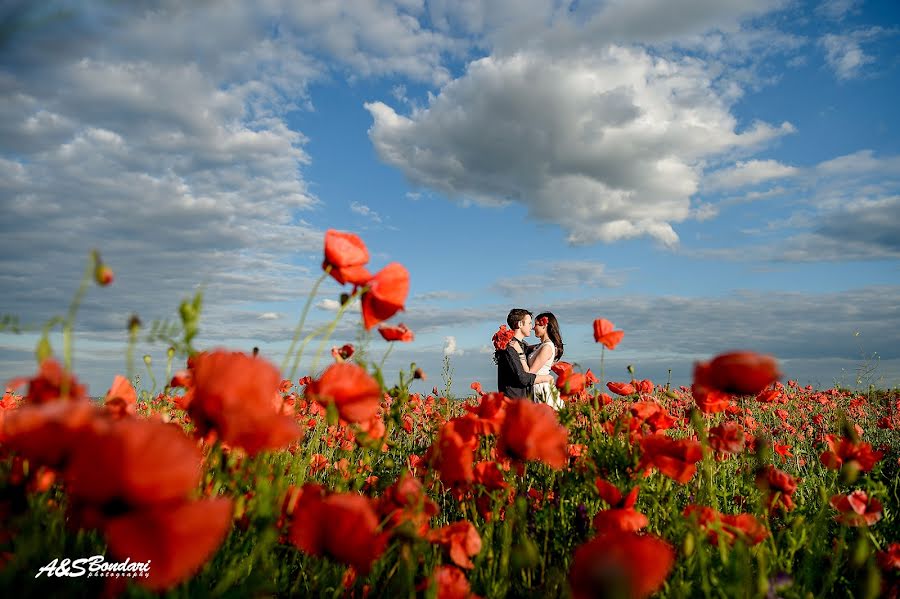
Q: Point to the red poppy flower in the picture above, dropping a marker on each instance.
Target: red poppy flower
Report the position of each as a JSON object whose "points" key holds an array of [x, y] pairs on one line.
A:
{"points": [[177, 539], [739, 373], [386, 294], [842, 450], [618, 388], [47, 385], [727, 437], [857, 509], [489, 413], [604, 333], [561, 368], [451, 583], [531, 431], [452, 453], [890, 558], [396, 333], [121, 399], [232, 395], [643, 386], [502, 337], [46, 434], [347, 255], [621, 517], [133, 463], [542, 321], [571, 382], [589, 378], [769, 395], [634, 565], [406, 501], [342, 526], [476, 387], [710, 401], [651, 414], [745, 527], [779, 487], [342, 353], [677, 459], [462, 541], [356, 395]]}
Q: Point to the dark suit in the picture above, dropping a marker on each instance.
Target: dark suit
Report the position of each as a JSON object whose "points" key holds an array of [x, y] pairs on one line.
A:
{"points": [[512, 379]]}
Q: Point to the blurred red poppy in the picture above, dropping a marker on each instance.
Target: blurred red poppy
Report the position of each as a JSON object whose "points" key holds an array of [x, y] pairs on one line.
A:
{"points": [[396, 333], [451, 583], [121, 399], [406, 501], [842, 450], [355, 394], [739, 373], [342, 526], [531, 431], [46, 434], [386, 294], [133, 463], [677, 459], [489, 413], [452, 453], [779, 487], [727, 437], [346, 254], [857, 509], [604, 333], [710, 401], [461, 540], [233, 396], [620, 565], [48, 384], [619, 388], [176, 538], [621, 517]]}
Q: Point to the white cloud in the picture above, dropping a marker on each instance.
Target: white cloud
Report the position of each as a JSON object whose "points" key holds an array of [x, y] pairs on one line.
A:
{"points": [[450, 348], [365, 211], [607, 145], [563, 276], [747, 173], [269, 316], [844, 53], [838, 9]]}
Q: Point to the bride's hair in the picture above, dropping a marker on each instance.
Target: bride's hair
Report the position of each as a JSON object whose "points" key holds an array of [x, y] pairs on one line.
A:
{"points": [[552, 332]]}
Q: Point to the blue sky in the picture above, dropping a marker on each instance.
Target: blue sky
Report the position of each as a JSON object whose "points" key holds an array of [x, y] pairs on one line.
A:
{"points": [[726, 177]]}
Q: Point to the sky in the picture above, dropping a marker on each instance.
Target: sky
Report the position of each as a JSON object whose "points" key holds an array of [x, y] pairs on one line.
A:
{"points": [[724, 174]]}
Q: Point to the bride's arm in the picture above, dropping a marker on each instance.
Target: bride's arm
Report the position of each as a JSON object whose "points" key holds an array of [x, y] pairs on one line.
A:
{"points": [[538, 358]]}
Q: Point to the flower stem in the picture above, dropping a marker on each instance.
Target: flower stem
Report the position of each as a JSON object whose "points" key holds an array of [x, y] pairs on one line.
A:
{"points": [[386, 354], [69, 322], [299, 328], [333, 325]]}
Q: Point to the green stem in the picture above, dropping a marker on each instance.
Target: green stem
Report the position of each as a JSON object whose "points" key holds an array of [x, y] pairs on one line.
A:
{"points": [[386, 354], [602, 355], [68, 323], [303, 345], [333, 325], [299, 329]]}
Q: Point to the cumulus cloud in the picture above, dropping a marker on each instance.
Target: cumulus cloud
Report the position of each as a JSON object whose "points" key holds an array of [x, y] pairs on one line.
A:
{"points": [[365, 211], [606, 145], [450, 348]]}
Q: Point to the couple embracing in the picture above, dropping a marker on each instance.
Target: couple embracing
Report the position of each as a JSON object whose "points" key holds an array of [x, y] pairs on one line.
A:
{"points": [[523, 370]]}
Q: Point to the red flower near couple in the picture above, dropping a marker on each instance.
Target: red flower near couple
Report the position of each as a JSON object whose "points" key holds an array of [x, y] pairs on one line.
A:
{"points": [[604, 333]]}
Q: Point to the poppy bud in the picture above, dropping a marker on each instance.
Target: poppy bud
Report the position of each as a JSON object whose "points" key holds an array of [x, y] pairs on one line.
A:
{"points": [[419, 374], [134, 323], [688, 546], [524, 555], [148, 360], [103, 275], [850, 472]]}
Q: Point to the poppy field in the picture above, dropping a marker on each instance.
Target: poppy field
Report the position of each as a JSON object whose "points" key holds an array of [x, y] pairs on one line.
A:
{"points": [[243, 477]]}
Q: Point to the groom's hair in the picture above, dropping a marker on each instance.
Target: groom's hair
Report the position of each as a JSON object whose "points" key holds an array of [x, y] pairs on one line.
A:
{"points": [[515, 317]]}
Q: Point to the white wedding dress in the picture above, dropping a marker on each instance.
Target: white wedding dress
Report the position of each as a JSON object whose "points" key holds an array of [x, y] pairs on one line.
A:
{"points": [[546, 392]]}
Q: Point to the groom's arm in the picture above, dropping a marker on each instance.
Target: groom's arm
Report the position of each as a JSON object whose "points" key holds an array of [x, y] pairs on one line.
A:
{"points": [[511, 356]]}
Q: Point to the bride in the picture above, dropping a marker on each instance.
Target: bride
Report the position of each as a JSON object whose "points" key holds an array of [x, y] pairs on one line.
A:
{"points": [[546, 328]]}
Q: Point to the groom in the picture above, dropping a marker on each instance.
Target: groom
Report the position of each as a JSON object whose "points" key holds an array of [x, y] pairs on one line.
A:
{"points": [[512, 379]]}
